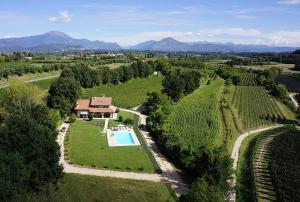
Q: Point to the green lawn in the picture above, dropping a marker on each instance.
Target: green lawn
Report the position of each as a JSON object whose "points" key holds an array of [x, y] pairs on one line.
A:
{"points": [[74, 187], [129, 94], [44, 84], [245, 186], [28, 77], [124, 115], [88, 146]]}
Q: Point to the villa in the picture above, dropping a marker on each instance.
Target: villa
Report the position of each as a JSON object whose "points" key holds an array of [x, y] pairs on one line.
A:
{"points": [[99, 107]]}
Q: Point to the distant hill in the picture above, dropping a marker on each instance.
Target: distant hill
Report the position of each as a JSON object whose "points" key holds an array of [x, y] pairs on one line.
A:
{"points": [[293, 58], [59, 41], [170, 44], [53, 41]]}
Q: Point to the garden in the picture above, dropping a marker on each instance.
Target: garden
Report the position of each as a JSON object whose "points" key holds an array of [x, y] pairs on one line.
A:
{"points": [[87, 146]]}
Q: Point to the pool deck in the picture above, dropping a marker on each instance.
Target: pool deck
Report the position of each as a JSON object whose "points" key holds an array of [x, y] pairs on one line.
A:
{"points": [[111, 140]]}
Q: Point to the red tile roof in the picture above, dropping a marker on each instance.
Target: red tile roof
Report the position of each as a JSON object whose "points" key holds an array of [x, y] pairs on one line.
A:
{"points": [[101, 110], [104, 101], [96, 101], [82, 104]]}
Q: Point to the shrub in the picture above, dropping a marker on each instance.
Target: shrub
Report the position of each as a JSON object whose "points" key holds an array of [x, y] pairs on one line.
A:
{"points": [[128, 121], [72, 118], [120, 119], [91, 117]]}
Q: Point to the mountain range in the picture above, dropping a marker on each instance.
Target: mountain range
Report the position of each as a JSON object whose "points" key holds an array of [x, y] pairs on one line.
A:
{"points": [[53, 41], [59, 41]]}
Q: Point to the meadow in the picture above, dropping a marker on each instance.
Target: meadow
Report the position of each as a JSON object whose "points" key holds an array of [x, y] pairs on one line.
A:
{"points": [[74, 187], [87, 146], [196, 119], [44, 84], [256, 107], [128, 94]]}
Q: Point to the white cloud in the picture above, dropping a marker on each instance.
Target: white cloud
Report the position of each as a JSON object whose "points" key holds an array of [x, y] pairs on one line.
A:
{"points": [[289, 2], [64, 16], [233, 32], [201, 35], [285, 38], [7, 36]]}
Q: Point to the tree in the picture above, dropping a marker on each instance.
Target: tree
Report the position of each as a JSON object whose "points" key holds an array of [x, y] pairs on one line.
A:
{"points": [[20, 97], [29, 153], [236, 80], [33, 136], [297, 66], [173, 86], [202, 191], [63, 95], [279, 91], [67, 72]]}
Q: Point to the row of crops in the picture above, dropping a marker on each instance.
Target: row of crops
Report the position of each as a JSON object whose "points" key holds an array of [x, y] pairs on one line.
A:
{"points": [[248, 79], [255, 107], [196, 119], [285, 165], [292, 83]]}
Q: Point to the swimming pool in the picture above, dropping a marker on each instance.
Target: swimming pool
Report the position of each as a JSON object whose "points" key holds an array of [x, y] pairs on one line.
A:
{"points": [[123, 138]]}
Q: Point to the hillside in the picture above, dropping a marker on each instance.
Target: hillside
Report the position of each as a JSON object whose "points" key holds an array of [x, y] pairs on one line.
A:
{"points": [[169, 44], [53, 41]]}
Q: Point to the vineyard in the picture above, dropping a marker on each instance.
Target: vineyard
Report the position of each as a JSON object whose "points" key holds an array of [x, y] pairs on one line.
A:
{"points": [[285, 165], [292, 83], [248, 79], [255, 107], [196, 119]]}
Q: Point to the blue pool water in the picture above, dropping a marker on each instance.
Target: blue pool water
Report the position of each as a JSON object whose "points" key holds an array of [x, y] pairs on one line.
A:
{"points": [[123, 137]]}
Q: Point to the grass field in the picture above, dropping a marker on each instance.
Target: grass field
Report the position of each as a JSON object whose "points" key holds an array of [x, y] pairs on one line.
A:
{"points": [[88, 146], [232, 124], [124, 115], [44, 84], [255, 107], [196, 119], [74, 187], [116, 65], [245, 186], [28, 77], [129, 94]]}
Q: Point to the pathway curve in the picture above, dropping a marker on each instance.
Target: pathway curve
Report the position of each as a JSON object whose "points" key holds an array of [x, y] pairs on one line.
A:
{"points": [[169, 172], [33, 80], [291, 95], [235, 156]]}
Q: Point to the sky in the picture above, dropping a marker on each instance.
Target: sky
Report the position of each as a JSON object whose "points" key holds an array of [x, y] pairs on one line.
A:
{"points": [[128, 22]]}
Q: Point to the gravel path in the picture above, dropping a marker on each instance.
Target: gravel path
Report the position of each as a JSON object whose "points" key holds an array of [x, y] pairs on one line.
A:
{"points": [[294, 100], [105, 126], [169, 172], [235, 156]]}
